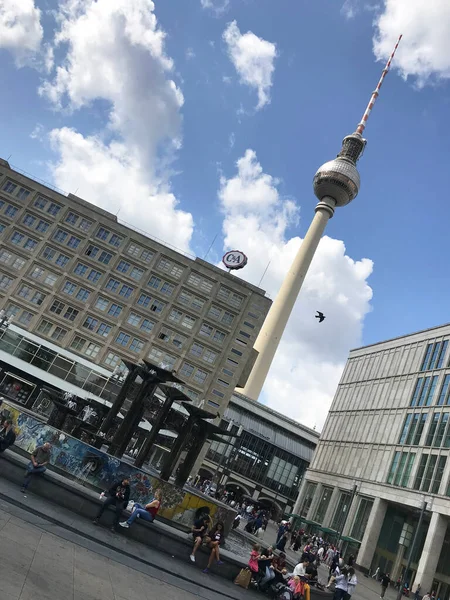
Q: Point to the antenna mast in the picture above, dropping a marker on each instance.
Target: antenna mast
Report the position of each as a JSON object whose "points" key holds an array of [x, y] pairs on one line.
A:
{"points": [[362, 123]]}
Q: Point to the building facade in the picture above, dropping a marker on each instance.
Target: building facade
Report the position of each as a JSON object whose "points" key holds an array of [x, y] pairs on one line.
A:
{"points": [[74, 277], [269, 458], [384, 451]]}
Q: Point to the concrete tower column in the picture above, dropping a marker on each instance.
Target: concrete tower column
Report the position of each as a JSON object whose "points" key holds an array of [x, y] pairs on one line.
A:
{"points": [[371, 534], [270, 335], [431, 551]]}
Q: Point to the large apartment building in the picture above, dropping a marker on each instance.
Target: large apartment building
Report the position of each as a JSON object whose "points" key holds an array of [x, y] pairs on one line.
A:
{"points": [[74, 277], [383, 453]]}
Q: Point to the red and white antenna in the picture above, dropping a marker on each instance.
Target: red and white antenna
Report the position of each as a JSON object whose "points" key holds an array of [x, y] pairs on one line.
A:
{"points": [[362, 124]]}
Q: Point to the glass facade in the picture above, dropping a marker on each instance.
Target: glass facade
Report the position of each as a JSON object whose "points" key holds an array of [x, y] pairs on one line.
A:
{"points": [[308, 498], [434, 356], [325, 497], [362, 516], [341, 511]]}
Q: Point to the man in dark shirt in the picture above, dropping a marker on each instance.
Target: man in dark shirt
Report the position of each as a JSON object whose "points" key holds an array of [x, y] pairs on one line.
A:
{"points": [[118, 496], [38, 464], [7, 436], [199, 532], [385, 581]]}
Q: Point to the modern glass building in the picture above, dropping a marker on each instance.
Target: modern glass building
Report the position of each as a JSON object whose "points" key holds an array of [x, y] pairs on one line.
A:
{"points": [[384, 451], [269, 458], [76, 279]]}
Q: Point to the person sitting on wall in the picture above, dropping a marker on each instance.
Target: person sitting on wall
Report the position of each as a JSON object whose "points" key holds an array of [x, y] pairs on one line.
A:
{"points": [[118, 496], [217, 538], [199, 533], [147, 512], [7, 435], [38, 464]]}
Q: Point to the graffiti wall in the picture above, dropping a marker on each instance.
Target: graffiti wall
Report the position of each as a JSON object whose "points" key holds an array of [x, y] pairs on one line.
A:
{"points": [[87, 464]]}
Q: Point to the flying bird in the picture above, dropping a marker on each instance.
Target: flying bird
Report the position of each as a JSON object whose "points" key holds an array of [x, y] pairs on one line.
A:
{"points": [[320, 316]]}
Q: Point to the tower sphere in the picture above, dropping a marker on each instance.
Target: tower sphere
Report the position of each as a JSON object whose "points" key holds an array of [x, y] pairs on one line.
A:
{"points": [[338, 179]]}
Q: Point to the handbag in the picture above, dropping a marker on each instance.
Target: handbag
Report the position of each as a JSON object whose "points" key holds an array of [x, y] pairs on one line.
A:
{"points": [[244, 578]]}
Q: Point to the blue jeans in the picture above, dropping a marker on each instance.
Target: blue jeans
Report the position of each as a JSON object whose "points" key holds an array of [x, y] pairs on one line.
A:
{"points": [[270, 574], [139, 511], [32, 470]]}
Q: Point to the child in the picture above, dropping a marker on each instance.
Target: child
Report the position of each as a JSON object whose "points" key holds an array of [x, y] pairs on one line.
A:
{"points": [[217, 538], [254, 556]]}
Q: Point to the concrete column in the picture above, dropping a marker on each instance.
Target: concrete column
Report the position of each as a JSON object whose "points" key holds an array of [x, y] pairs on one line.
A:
{"points": [[351, 516], [315, 502], [431, 551], [300, 498], [272, 330], [371, 534], [331, 507], [396, 570]]}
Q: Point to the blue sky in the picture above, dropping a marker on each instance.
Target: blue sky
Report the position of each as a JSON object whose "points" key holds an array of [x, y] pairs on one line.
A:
{"points": [[322, 61]]}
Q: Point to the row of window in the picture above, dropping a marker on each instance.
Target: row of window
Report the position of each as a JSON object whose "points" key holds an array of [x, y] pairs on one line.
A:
{"points": [[15, 190], [425, 389], [434, 356], [429, 473]]}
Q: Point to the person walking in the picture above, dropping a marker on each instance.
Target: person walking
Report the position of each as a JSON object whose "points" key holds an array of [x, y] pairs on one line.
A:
{"points": [[7, 436], [38, 464], [385, 581], [146, 513], [118, 496], [417, 592], [352, 582]]}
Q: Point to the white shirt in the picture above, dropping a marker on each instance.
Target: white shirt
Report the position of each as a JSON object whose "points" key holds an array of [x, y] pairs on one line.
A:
{"points": [[341, 582], [299, 570], [351, 584]]}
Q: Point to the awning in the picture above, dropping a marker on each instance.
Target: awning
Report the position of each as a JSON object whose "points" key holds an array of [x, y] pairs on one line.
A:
{"points": [[327, 530], [308, 522], [346, 538]]}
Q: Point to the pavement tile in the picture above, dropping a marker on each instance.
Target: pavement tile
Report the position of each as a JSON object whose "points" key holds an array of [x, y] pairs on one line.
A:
{"points": [[90, 584], [28, 536]]}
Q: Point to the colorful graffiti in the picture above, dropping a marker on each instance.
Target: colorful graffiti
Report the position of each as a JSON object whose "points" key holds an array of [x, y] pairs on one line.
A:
{"points": [[88, 465]]}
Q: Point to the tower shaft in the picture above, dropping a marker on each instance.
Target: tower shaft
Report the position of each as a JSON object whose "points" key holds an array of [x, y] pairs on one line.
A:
{"points": [[270, 335]]}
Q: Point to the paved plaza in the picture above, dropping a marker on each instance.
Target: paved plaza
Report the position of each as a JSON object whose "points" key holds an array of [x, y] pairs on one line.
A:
{"points": [[48, 553]]}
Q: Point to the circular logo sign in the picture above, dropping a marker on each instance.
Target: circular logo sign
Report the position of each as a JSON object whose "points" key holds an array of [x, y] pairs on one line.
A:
{"points": [[235, 259]]}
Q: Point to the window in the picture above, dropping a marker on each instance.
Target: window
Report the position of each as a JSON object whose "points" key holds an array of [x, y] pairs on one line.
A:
{"points": [[230, 297], [92, 251], [102, 233], [92, 350], [167, 288], [424, 391], [178, 340], [126, 291], [361, 519], [71, 313], [69, 288], [22, 194], [90, 323], [62, 260], [45, 327], [123, 338], [58, 333], [78, 343], [37, 298], [94, 276], [147, 255], [227, 372], [441, 430], [157, 306], [5, 281], [144, 300], [162, 359], [18, 263], [30, 244], [60, 235], [170, 267], [154, 282], [5, 256], [196, 349], [115, 310], [134, 250], [147, 325], [246, 335], [85, 224], [137, 273], [105, 257], [444, 396], [434, 356], [237, 352], [9, 187], [57, 307], [73, 242], [25, 317], [134, 319], [200, 282], [200, 376], [83, 295], [206, 330], [112, 360], [250, 325], [215, 312], [11, 211], [115, 240], [223, 383], [136, 345], [438, 475], [219, 337], [123, 266], [216, 393], [53, 209], [40, 202], [17, 238], [188, 322], [72, 218], [112, 284], [28, 220], [209, 356], [432, 429], [37, 273], [104, 329], [187, 370], [80, 270], [102, 304], [240, 342], [42, 226], [175, 315]]}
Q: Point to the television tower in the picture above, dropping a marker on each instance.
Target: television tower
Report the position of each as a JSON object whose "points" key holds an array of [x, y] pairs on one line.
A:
{"points": [[336, 183]]}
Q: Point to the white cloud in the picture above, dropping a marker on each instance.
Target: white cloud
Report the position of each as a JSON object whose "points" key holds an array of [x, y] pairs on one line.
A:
{"points": [[20, 29], [190, 54], [253, 59], [349, 9], [310, 358], [424, 52], [217, 6], [113, 51]]}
